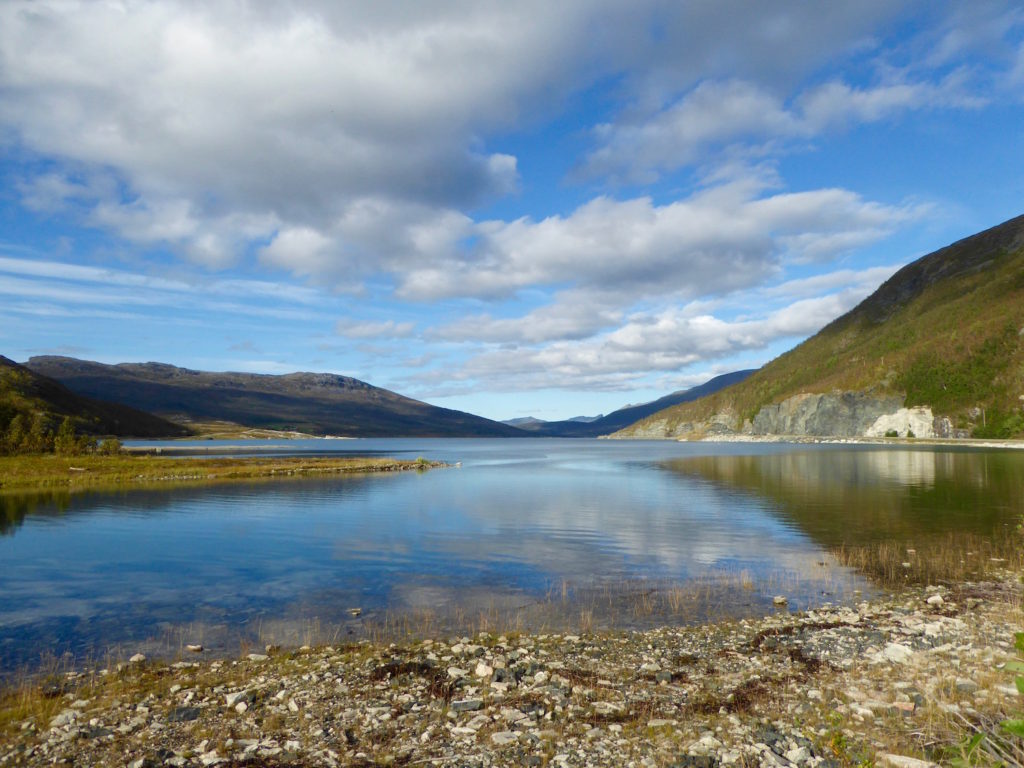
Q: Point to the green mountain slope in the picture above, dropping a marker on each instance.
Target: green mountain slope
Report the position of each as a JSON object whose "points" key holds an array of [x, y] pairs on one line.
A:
{"points": [[28, 393], [623, 417], [946, 331], [316, 403]]}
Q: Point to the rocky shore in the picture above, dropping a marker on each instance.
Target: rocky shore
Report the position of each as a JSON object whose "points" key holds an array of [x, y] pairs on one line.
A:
{"points": [[891, 682]]}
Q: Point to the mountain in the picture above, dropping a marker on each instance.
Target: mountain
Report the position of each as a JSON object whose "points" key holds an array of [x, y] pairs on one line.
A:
{"points": [[605, 425], [25, 392], [937, 350], [317, 403]]}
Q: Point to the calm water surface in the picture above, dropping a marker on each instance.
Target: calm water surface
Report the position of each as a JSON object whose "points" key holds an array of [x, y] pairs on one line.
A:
{"points": [[534, 531]]}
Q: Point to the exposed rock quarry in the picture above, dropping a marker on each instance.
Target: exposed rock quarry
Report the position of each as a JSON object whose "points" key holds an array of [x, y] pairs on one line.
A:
{"points": [[841, 414], [906, 422], [838, 414]]}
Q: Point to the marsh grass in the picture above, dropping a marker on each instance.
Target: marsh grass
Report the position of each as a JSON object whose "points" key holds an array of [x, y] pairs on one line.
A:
{"points": [[951, 559], [48, 471], [628, 604]]}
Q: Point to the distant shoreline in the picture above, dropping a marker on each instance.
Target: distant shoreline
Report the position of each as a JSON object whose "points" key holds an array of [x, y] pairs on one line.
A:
{"points": [[889, 441], [72, 473]]}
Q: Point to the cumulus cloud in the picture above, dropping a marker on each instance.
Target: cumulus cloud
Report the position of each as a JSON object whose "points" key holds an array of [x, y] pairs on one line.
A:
{"points": [[716, 114], [720, 239], [224, 125], [666, 341]]}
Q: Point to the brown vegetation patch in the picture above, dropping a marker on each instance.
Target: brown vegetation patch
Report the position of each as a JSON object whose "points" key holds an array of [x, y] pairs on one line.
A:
{"points": [[439, 686], [740, 700]]}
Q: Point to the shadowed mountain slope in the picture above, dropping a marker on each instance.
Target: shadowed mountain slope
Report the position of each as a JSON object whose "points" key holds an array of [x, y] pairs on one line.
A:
{"points": [[316, 403], [26, 392]]}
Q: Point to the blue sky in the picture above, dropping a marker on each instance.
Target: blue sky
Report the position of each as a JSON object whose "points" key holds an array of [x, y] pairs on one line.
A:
{"points": [[536, 208]]}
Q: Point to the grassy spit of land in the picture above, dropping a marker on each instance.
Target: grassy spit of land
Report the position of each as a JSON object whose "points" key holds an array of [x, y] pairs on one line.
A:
{"points": [[912, 676], [49, 471]]}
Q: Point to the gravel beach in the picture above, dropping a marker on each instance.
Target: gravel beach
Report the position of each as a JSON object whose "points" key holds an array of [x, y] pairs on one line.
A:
{"points": [[890, 682]]}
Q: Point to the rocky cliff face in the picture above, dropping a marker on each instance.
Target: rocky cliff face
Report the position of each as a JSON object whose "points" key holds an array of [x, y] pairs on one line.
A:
{"points": [[840, 414]]}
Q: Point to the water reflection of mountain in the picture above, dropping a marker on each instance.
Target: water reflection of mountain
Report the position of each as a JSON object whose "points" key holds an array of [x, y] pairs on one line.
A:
{"points": [[15, 508], [855, 496]]}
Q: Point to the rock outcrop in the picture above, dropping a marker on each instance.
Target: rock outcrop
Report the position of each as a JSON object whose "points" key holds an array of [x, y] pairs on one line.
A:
{"points": [[840, 414], [906, 422]]}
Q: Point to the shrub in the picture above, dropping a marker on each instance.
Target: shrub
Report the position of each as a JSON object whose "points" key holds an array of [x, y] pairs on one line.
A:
{"points": [[110, 447]]}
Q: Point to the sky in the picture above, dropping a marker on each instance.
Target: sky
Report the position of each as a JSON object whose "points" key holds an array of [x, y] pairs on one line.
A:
{"points": [[513, 209]]}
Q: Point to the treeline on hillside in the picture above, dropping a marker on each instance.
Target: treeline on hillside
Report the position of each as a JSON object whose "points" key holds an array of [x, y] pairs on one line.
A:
{"points": [[35, 434]]}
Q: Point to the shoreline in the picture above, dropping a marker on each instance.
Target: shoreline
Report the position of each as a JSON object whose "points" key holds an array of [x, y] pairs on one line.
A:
{"points": [[965, 442], [49, 472], [899, 675]]}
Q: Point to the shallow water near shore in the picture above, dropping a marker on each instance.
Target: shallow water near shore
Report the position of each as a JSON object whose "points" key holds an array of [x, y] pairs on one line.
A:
{"points": [[523, 534]]}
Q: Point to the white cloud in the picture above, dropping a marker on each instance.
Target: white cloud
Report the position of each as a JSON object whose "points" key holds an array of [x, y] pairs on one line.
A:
{"points": [[666, 340], [210, 127], [716, 114], [722, 239], [387, 329]]}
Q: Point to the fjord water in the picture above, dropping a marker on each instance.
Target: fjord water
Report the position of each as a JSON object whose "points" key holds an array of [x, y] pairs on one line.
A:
{"points": [[520, 524]]}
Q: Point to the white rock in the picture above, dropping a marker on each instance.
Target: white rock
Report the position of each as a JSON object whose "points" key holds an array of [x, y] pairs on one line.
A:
{"points": [[935, 600], [780, 600], [798, 755], [241, 707], [898, 654], [918, 420], [900, 761], [456, 672], [482, 670], [66, 717], [292, 706], [232, 698], [257, 657], [137, 658]]}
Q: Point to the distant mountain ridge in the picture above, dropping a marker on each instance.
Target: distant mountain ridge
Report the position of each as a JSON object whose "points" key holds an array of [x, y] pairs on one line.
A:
{"points": [[937, 350], [26, 392], [316, 403], [605, 425]]}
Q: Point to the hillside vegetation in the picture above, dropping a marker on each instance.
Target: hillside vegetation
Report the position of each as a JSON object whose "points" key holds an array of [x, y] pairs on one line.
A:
{"points": [[946, 331], [623, 417], [35, 409], [314, 403]]}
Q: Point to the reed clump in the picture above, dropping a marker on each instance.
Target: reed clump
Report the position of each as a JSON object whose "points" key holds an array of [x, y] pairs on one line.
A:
{"points": [[953, 558]]}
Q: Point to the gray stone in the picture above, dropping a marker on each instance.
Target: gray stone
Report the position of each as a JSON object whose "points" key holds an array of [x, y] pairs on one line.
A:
{"points": [[183, 714], [963, 685], [467, 705]]}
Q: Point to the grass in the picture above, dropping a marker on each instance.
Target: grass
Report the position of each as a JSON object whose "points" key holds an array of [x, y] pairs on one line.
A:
{"points": [[952, 559], [47, 471]]}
